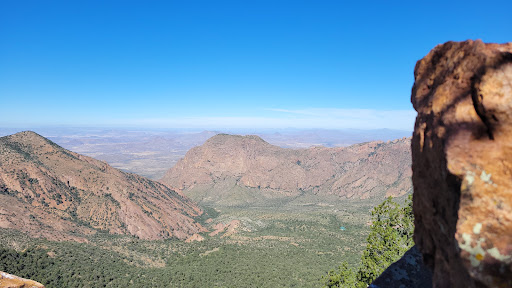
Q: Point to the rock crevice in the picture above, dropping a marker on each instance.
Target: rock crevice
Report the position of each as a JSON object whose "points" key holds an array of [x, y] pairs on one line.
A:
{"points": [[462, 163]]}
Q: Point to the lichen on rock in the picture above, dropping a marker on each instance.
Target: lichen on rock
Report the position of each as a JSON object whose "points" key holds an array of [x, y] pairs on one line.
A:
{"points": [[462, 163]]}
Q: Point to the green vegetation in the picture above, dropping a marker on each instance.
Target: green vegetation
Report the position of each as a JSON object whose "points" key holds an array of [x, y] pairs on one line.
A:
{"points": [[288, 246], [390, 237]]}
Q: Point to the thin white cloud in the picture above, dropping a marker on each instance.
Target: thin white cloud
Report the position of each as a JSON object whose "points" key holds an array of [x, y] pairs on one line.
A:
{"points": [[327, 118], [300, 112], [355, 118]]}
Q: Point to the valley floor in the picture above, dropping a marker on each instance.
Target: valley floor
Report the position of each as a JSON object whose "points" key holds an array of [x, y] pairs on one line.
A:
{"points": [[290, 246]]}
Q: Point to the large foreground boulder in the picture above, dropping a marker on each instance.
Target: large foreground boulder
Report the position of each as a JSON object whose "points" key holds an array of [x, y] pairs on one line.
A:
{"points": [[462, 163]]}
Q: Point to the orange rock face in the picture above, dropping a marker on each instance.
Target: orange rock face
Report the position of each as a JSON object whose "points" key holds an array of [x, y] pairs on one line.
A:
{"points": [[11, 281], [462, 163]]}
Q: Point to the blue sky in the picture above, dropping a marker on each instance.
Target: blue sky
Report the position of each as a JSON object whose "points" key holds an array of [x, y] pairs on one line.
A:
{"points": [[226, 64]]}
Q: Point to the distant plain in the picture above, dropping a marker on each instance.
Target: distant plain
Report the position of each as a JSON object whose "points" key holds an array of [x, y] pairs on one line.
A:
{"points": [[278, 244], [151, 152]]}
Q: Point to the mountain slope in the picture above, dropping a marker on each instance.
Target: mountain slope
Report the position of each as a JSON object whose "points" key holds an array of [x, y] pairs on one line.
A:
{"points": [[232, 170], [49, 191]]}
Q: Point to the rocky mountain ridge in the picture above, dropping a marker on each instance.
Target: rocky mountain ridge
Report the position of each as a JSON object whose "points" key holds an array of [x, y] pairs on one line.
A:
{"points": [[48, 191], [233, 170]]}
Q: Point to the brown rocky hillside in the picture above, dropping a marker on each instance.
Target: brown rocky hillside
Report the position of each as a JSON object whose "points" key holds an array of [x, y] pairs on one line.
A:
{"points": [[12, 281], [233, 170], [48, 191]]}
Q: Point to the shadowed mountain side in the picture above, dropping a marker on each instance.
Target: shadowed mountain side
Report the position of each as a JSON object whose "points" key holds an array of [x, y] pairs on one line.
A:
{"points": [[49, 191], [237, 170]]}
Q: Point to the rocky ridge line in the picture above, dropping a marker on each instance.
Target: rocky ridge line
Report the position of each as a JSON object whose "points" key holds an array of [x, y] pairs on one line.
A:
{"points": [[233, 169], [51, 192]]}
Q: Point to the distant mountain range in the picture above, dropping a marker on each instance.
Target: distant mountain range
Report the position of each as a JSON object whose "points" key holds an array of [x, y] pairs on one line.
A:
{"points": [[151, 152], [49, 191], [240, 170]]}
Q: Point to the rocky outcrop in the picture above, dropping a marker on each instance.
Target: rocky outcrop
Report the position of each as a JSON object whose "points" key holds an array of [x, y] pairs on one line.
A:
{"points": [[195, 237], [233, 169], [11, 281], [408, 272], [462, 163], [228, 229], [51, 192]]}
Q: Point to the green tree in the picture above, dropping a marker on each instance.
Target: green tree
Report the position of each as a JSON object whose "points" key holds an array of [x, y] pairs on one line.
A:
{"points": [[343, 277], [390, 237]]}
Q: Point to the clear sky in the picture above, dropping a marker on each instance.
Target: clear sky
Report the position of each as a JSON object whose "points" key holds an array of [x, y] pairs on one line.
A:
{"points": [[213, 64]]}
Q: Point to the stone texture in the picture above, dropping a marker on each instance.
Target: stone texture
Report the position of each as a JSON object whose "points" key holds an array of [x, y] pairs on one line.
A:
{"points": [[11, 281], [408, 272], [462, 163]]}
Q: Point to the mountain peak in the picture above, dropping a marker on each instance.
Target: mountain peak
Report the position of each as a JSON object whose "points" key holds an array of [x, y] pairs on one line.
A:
{"points": [[234, 169], [234, 137], [49, 186], [27, 135], [29, 138]]}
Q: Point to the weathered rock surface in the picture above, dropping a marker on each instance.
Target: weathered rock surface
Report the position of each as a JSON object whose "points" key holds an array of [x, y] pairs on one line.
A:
{"points": [[408, 272], [11, 281], [51, 192], [462, 163], [232, 169], [195, 237], [228, 229]]}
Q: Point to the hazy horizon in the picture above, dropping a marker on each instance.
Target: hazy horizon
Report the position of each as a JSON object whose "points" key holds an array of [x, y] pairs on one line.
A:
{"points": [[151, 152]]}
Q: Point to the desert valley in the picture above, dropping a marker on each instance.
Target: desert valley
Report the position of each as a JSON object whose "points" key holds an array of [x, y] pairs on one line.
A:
{"points": [[234, 211], [229, 144], [238, 211]]}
